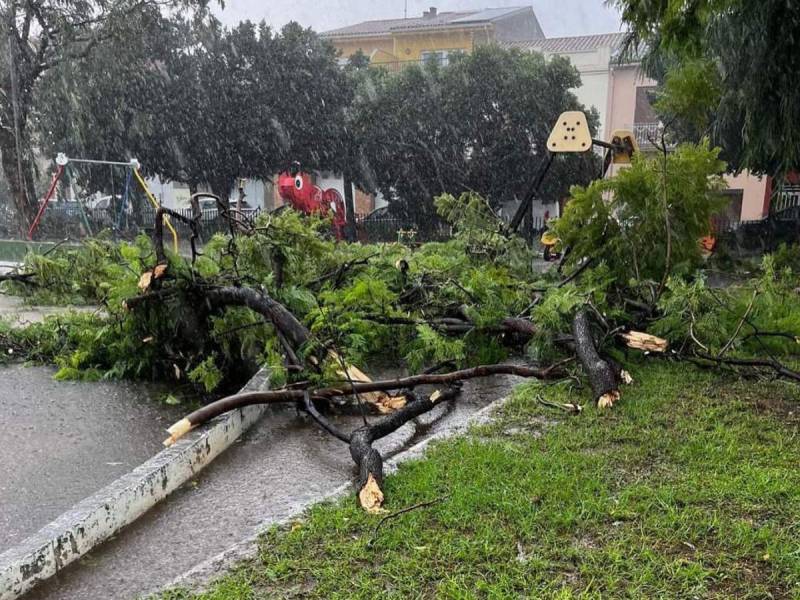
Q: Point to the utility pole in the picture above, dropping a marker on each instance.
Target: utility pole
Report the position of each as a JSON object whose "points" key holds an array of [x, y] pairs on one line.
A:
{"points": [[405, 10]]}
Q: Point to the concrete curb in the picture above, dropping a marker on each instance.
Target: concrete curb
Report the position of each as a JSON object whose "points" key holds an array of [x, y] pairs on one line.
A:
{"points": [[201, 576], [97, 518]]}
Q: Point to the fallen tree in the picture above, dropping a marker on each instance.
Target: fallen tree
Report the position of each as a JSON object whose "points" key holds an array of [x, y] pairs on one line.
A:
{"points": [[318, 314]]}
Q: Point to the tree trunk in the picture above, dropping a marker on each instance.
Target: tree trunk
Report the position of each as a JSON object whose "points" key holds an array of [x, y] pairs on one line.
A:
{"points": [[601, 374], [22, 190], [350, 210]]}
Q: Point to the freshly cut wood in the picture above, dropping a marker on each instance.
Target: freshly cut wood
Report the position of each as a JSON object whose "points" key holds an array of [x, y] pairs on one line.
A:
{"points": [[382, 401], [644, 341], [177, 431], [145, 280], [370, 497], [608, 400]]}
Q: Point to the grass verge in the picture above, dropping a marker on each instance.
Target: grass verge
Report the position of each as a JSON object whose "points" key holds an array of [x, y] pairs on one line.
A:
{"points": [[690, 489]]}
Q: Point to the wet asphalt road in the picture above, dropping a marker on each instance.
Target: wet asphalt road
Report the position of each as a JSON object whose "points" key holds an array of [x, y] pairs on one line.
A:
{"points": [[14, 309], [281, 463], [63, 441]]}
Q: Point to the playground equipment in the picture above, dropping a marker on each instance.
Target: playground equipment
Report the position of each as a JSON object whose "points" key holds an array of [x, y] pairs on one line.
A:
{"points": [[571, 135], [133, 172], [296, 189]]}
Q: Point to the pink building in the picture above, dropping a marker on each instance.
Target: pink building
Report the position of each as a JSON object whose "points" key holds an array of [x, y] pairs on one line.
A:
{"points": [[629, 108]]}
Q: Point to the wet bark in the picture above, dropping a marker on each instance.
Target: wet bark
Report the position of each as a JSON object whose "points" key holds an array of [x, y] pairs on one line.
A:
{"points": [[369, 482], [296, 334], [22, 190], [601, 374], [213, 410]]}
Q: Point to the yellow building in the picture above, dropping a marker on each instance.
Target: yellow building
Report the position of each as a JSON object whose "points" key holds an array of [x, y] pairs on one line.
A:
{"points": [[434, 36]]}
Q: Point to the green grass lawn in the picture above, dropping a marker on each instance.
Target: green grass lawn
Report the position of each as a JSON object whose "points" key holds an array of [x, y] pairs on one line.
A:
{"points": [[689, 489]]}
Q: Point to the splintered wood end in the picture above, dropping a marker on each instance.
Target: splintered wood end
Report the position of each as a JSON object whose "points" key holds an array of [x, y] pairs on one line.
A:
{"points": [[644, 341], [370, 497], [608, 400], [145, 281], [177, 431], [387, 404]]}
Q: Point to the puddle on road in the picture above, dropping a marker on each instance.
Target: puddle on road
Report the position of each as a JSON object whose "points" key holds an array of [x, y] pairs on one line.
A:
{"points": [[63, 441]]}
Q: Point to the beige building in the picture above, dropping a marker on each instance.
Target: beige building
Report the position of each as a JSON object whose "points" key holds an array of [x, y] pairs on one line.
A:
{"points": [[591, 55], [435, 35], [618, 91]]}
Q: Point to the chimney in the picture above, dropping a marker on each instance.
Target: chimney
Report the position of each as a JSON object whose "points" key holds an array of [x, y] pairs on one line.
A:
{"points": [[429, 14]]}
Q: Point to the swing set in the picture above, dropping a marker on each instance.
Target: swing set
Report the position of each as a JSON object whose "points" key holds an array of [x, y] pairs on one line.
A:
{"points": [[132, 173]]}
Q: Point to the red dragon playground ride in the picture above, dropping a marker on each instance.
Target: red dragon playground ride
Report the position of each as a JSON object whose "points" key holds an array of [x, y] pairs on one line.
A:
{"points": [[297, 191]]}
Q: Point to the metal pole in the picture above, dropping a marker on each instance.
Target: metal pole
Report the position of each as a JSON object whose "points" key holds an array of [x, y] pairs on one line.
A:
{"points": [[534, 189], [51, 190], [90, 161]]}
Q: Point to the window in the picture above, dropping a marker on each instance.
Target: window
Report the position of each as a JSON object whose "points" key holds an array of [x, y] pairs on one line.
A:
{"points": [[440, 57]]}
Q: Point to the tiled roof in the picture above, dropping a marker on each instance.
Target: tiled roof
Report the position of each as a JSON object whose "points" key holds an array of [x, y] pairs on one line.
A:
{"points": [[490, 14], [443, 19], [580, 43]]}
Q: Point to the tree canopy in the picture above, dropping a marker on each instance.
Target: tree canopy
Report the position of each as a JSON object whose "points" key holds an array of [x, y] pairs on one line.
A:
{"points": [[40, 35], [729, 69], [479, 124], [202, 104]]}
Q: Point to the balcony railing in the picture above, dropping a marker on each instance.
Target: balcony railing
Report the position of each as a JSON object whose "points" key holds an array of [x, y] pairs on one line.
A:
{"points": [[786, 201], [647, 133], [396, 66]]}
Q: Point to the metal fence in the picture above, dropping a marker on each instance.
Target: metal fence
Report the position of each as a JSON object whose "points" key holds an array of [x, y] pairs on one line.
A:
{"points": [[787, 199], [394, 229], [69, 220], [62, 220], [395, 66], [388, 228]]}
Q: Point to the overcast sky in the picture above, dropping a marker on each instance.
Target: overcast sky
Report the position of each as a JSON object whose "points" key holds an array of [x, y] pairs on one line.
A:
{"points": [[558, 17]]}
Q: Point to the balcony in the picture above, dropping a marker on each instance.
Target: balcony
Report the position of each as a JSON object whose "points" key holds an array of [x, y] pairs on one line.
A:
{"points": [[646, 134], [441, 59]]}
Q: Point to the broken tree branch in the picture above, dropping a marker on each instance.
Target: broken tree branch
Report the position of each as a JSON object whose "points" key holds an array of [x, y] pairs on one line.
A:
{"points": [[308, 406], [369, 462], [403, 511], [602, 377], [754, 363], [210, 411], [738, 330], [158, 231]]}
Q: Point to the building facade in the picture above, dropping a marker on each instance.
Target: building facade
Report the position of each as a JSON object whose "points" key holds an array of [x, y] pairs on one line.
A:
{"points": [[393, 43]]}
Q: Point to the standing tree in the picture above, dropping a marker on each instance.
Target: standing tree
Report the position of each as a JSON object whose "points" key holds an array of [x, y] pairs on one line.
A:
{"points": [[729, 70], [111, 105], [40, 35], [202, 104], [480, 124], [247, 102]]}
